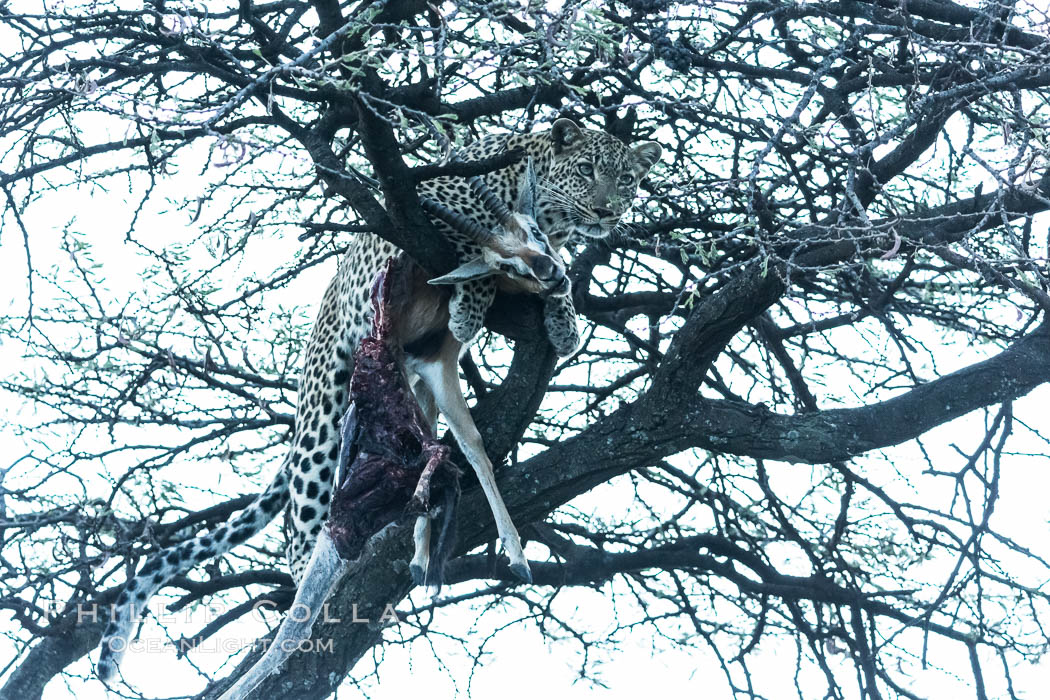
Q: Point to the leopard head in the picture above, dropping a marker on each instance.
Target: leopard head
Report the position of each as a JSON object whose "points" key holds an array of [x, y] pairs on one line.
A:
{"points": [[590, 182]]}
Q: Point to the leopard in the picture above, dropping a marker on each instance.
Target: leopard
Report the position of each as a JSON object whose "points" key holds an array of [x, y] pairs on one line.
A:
{"points": [[587, 180]]}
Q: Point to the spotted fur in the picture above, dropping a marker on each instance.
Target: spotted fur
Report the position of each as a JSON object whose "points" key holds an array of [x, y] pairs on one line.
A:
{"points": [[587, 179]]}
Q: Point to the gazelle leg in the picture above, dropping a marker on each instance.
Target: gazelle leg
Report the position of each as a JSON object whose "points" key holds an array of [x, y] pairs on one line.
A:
{"points": [[425, 399], [441, 375], [421, 534], [421, 559]]}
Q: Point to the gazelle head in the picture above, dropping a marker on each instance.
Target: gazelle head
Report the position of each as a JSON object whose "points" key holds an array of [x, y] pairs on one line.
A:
{"points": [[515, 248]]}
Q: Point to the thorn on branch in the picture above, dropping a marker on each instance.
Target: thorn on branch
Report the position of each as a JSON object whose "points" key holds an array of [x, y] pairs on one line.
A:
{"points": [[892, 252]]}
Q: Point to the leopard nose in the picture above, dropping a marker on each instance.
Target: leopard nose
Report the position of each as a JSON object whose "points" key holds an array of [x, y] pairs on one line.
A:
{"points": [[544, 268], [603, 212]]}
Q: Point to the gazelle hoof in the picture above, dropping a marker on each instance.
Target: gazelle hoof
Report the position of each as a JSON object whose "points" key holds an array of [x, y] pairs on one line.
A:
{"points": [[418, 573], [521, 570]]}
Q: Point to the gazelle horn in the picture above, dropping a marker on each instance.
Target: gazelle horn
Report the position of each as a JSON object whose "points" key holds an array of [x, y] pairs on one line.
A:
{"points": [[460, 222], [493, 203]]}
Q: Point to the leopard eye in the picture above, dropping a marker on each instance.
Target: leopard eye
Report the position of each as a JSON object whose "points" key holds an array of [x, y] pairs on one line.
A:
{"points": [[586, 169], [626, 180]]}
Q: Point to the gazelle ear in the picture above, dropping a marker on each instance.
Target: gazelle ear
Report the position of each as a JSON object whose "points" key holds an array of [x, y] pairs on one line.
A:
{"points": [[473, 270], [527, 191]]}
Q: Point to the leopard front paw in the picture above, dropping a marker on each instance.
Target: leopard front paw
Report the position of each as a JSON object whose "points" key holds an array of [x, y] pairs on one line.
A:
{"points": [[559, 319]]}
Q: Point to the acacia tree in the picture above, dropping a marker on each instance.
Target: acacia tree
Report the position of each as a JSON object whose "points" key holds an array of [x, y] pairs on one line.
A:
{"points": [[841, 251]]}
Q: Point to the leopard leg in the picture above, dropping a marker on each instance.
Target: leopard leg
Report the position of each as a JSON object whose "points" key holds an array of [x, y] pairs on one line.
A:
{"points": [[467, 308], [559, 319]]}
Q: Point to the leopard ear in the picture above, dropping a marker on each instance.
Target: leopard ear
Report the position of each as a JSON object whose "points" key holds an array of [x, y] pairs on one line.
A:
{"points": [[566, 135], [647, 153]]}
